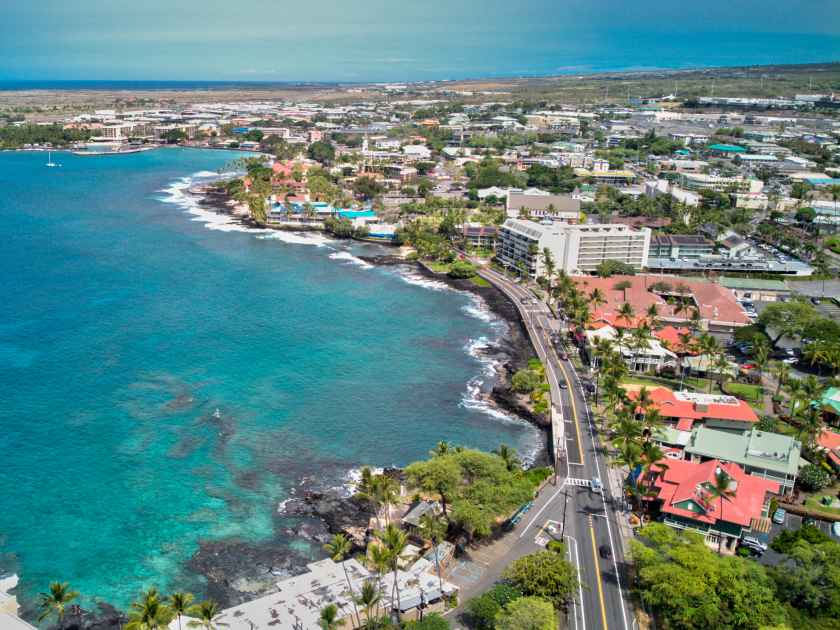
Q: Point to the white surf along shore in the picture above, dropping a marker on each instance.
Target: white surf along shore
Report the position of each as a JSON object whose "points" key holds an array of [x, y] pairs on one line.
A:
{"points": [[481, 348]]}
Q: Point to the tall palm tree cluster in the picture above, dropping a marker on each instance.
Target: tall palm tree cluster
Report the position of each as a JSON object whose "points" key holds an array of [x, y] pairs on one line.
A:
{"points": [[801, 393], [151, 612], [632, 429], [378, 597]]}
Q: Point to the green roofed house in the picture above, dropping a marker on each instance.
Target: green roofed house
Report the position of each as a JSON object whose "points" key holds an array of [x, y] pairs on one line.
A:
{"points": [[755, 289], [830, 405], [760, 453], [726, 149]]}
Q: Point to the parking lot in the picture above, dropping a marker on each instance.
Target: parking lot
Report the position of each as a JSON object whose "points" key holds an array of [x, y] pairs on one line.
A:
{"points": [[792, 522]]}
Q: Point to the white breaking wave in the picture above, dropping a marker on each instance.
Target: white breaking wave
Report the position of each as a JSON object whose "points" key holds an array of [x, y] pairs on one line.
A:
{"points": [[297, 238], [474, 400], [350, 258], [178, 194], [205, 174], [419, 280]]}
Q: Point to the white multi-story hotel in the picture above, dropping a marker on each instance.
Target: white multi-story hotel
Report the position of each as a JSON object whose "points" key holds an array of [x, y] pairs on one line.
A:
{"points": [[574, 248]]}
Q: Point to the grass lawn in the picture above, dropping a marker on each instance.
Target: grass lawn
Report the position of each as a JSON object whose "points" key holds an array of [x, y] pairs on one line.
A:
{"points": [[699, 384], [438, 267], [750, 393], [479, 281], [814, 504]]}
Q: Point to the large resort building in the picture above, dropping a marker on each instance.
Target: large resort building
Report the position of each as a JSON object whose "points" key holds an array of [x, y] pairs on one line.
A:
{"points": [[574, 248]]}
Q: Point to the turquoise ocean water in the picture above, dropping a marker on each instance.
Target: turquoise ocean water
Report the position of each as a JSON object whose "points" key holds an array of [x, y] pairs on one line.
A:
{"points": [[166, 377]]}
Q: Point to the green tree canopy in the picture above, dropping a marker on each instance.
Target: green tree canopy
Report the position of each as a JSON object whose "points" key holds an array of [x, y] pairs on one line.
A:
{"points": [[786, 318], [527, 613], [478, 486], [321, 151], [614, 267], [688, 586], [545, 574]]}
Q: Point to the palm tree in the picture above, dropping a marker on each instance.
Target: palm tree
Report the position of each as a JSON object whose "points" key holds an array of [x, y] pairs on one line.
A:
{"points": [[709, 347], [329, 618], [596, 298], [386, 492], [369, 599], [339, 548], [508, 456], [782, 375], [626, 312], [434, 529], [625, 430], [150, 613], [395, 541], [379, 560], [548, 264], [721, 489], [206, 615], [179, 603], [811, 425], [652, 313], [441, 448], [55, 602], [793, 387]]}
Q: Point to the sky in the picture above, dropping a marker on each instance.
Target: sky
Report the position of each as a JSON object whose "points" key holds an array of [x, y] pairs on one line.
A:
{"points": [[395, 40]]}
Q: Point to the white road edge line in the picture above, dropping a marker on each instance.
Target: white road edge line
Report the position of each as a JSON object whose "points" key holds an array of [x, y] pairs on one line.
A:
{"points": [[580, 586], [547, 503]]}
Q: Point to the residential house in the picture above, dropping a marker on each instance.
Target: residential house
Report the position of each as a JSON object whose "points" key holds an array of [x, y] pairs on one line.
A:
{"points": [[687, 500], [479, 235], [650, 357], [760, 453]]}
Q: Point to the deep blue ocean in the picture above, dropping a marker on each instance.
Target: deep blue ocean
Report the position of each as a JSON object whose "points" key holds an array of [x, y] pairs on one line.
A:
{"points": [[166, 377]]}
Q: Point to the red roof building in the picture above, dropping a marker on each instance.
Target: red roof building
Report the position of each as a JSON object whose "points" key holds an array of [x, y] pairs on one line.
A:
{"points": [[718, 308], [686, 496], [686, 409], [830, 442], [670, 338]]}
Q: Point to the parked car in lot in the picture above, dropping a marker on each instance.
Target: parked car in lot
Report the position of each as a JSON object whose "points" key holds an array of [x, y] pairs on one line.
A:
{"points": [[755, 542], [779, 516]]}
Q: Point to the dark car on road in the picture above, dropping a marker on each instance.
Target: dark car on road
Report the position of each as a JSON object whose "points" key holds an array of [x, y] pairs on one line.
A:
{"points": [[605, 551]]}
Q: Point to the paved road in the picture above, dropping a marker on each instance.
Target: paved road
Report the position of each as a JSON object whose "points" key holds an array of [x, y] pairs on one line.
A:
{"points": [[587, 520]]}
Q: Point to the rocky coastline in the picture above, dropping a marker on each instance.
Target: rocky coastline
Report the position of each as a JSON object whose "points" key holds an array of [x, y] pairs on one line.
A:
{"points": [[235, 570]]}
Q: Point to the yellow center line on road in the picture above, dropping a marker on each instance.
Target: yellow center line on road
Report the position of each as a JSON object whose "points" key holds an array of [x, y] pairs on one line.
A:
{"points": [[551, 350], [598, 575], [572, 399]]}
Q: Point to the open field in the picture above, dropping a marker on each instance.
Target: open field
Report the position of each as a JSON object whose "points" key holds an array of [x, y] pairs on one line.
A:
{"points": [[578, 89]]}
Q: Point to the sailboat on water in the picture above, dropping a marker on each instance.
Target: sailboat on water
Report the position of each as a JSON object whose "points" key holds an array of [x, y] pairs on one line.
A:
{"points": [[50, 163]]}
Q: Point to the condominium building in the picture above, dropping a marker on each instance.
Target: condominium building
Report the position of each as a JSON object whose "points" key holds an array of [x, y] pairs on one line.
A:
{"points": [[700, 181], [574, 248]]}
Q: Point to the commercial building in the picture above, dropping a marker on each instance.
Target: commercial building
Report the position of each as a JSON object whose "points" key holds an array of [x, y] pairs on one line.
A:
{"points": [[680, 246], [701, 181], [561, 207], [719, 311], [574, 248], [753, 289], [716, 411]]}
